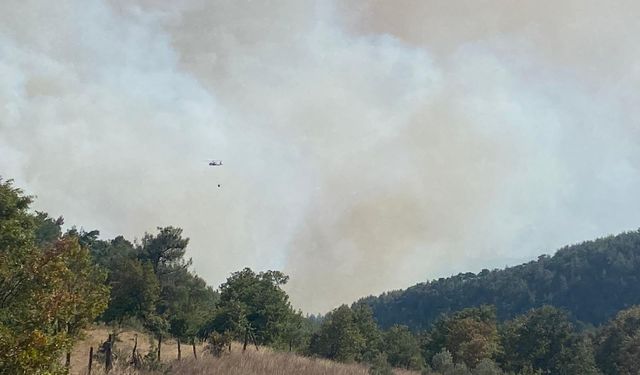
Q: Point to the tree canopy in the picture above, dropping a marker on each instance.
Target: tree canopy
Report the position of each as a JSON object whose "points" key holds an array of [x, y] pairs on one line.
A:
{"points": [[253, 307], [592, 281], [49, 288]]}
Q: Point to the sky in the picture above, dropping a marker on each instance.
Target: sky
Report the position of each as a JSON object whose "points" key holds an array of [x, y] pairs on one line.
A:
{"points": [[367, 145]]}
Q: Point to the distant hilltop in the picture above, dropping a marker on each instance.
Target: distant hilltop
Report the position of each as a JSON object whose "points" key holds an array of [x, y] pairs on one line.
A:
{"points": [[592, 281]]}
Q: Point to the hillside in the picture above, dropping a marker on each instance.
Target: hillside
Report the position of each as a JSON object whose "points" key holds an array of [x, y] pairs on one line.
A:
{"points": [[592, 280], [263, 362]]}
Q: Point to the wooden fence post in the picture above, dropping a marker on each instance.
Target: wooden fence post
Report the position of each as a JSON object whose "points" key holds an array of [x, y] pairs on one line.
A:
{"points": [[108, 364], [90, 360], [179, 352]]}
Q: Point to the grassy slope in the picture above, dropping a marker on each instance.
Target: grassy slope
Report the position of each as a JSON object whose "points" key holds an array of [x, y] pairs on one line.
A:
{"points": [[251, 362]]}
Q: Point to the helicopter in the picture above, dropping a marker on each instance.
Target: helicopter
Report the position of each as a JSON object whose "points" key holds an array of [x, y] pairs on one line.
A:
{"points": [[215, 163]]}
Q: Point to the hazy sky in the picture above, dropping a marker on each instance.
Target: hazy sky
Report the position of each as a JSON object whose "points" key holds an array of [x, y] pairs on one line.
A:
{"points": [[368, 145]]}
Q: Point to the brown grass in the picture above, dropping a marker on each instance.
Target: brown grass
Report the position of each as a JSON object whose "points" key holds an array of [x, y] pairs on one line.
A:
{"points": [[251, 362], [254, 363], [123, 347]]}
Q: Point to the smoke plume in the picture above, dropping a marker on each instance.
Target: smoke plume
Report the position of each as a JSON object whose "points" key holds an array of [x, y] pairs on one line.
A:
{"points": [[367, 145]]}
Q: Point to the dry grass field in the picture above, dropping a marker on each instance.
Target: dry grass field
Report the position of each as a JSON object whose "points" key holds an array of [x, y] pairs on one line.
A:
{"points": [[251, 362], [122, 347]]}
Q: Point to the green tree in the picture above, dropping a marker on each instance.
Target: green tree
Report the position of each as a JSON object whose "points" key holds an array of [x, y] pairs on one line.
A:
{"points": [[366, 325], [86, 293], [544, 339], [295, 332], [191, 303], [459, 369], [135, 290], [469, 335], [618, 344], [159, 327], [48, 229], [256, 304], [442, 362], [108, 254], [380, 365], [402, 348], [348, 334], [229, 319], [339, 337], [30, 283], [174, 308], [165, 250], [487, 367], [629, 359], [45, 292], [28, 340]]}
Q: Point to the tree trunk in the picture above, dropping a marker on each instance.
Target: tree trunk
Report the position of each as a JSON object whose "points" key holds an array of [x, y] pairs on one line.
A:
{"points": [[193, 344], [108, 361], [135, 344], [179, 353], [67, 361], [246, 339], [159, 346], [135, 358], [255, 342], [90, 360]]}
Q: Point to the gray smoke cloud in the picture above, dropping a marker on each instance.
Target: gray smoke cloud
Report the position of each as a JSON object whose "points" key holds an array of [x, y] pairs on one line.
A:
{"points": [[367, 145]]}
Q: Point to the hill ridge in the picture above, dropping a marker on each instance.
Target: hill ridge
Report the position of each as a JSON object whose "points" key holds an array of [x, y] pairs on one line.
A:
{"points": [[592, 280]]}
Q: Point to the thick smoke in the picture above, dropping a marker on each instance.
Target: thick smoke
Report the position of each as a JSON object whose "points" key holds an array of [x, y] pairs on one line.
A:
{"points": [[367, 146]]}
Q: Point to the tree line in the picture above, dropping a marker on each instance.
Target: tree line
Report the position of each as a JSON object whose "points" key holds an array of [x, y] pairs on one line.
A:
{"points": [[54, 283], [472, 341], [592, 281]]}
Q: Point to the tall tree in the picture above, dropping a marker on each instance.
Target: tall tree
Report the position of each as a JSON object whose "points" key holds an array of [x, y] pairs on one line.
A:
{"points": [[544, 339], [28, 341], [134, 290], [45, 292], [165, 250], [366, 325], [470, 335], [339, 337], [260, 301], [294, 333], [618, 344], [192, 303], [48, 229], [107, 253], [165, 253], [86, 293], [402, 348]]}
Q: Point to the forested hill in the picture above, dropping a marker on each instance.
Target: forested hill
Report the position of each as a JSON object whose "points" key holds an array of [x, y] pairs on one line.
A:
{"points": [[592, 280]]}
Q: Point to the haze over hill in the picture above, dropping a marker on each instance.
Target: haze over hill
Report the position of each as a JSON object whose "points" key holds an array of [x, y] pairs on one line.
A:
{"points": [[366, 147]]}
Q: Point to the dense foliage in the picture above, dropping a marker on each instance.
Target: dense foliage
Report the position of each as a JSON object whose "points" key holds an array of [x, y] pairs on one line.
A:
{"points": [[470, 335], [618, 344], [592, 281], [253, 308], [546, 340], [347, 335], [49, 288]]}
